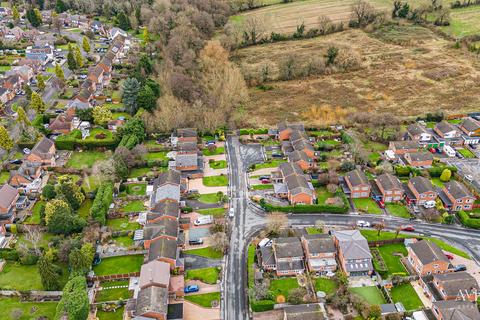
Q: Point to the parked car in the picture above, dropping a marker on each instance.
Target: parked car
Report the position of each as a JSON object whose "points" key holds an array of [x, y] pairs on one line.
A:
{"points": [[363, 224], [468, 177], [409, 228], [203, 220], [231, 213], [191, 288], [264, 178], [194, 242], [108, 100], [429, 204], [460, 267], [277, 155], [449, 256], [265, 242], [26, 151], [16, 161], [265, 181]]}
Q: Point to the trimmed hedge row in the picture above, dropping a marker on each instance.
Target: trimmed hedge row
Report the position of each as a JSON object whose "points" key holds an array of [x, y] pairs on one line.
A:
{"points": [[314, 208], [69, 142], [262, 305], [244, 132], [103, 199], [467, 221]]}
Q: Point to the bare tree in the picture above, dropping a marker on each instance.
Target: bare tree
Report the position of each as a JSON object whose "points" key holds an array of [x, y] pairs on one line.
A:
{"points": [[397, 231], [379, 226], [320, 225], [332, 187], [33, 236], [363, 13], [324, 24], [254, 29], [276, 221], [220, 241]]}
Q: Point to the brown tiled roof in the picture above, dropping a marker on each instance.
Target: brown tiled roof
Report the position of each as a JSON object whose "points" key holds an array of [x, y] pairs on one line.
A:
{"points": [[389, 181], [470, 124], [454, 282], [155, 273], [422, 184], [457, 310], [421, 156], [152, 300]]}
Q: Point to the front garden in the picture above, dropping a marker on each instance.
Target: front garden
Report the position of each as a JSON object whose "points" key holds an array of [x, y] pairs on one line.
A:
{"points": [[367, 205]]}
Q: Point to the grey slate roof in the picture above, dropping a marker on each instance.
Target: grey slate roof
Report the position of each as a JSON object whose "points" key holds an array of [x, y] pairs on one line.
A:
{"points": [[422, 184], [294, 126], [171, 209], [445, 127], [428, 252], [302, 144], [304, 312], [357, 177], [290, 265], [162, 248], [288, 247], [42, 147], [166, 192], [186, 132], [405, 145], [353, 244], [457, 310], [389, 181], [319, 243], [186, 146], [7, 195], [297, 184], [186, 159], [298, 135], [421, 156], [470, 124], [416, 129], [457, 189], [454, 282], [152, 299], [164, 227], [171, 176], [288, 169], [298, 156], [267, 256]]}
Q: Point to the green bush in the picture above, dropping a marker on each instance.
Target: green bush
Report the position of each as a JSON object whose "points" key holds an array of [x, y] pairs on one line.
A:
{"points": [[436, 172], [101, 203], [9, 254], [244, 132], [402, 171], [262, 305], [467, 221], [315, 208]]}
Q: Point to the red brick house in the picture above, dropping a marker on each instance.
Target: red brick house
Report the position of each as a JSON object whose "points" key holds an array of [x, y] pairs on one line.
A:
{"points": [[419, 159], [285, 129], [450, 286], [455, 310], [455, 196], [302, 160], [43, 153], [427, 258], [187, 134], [8, 197], [420, 190], [166, 250], [25, 175], [390, 187], [320, 253], [470, 127], [446, 130], [357, 183]]}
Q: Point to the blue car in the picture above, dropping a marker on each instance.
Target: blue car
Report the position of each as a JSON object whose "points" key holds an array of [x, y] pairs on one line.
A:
{"points": [[191, 288]]}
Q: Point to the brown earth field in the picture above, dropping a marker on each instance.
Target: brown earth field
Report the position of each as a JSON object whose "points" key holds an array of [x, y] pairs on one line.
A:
{"points": [[406, 70]]}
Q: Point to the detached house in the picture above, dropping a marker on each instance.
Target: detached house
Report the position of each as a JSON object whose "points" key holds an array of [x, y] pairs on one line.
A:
{"points": [[186, 161], [470, 127], [450, 286], [43, 153], [357, 184], [455, 310], [419, 159], [427, 258], [402, 147], [455, 196], [25, 175], [417, 132], [446, 130], [353, 252], [289, 258], [390, 188], [285, 129], [291, 183], [320, 253], [95, 74], [63, 124], [420, 190], [185, 135], [43, 54]]}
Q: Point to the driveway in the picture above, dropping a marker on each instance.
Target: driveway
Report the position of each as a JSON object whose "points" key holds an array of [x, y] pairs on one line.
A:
{"points": [[197, 262], [204, 288], [419, 290], [193, 312], [198, 185], [263, 172], [472, 267]]}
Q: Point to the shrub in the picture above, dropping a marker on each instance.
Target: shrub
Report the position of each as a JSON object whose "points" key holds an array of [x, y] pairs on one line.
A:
{"points": [[402, 171], [262, 305], [9, 254], [103, 199], [467, 221]]}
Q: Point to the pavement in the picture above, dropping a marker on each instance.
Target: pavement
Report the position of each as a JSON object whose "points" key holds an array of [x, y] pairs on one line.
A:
{"points": [[194, 312], [419, 290]]}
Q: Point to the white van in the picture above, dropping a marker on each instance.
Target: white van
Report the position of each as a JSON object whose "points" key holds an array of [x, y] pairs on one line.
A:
{"points": [[429, 204], [265, 242], [203, 220], [449, 151]]}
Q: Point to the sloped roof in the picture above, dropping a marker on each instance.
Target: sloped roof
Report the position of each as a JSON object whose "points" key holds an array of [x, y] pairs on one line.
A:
{"points": [[353, 244], [163, 248], [288, 168], [445, 127], [7, 195], [288, 247], [405, 145], [296, 156], [454, 282], [389, 181], [154, 273], [457, 189], [319, 243], [41, 149], [357, 177], [152, 299], [470, 124], [457, 310], [421, 156], [422, 184], [166, 209], [428, 252], [164, 227]]}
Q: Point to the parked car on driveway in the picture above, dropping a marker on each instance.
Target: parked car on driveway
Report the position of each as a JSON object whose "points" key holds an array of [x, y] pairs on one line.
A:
{"points": [[460, 267], [449, 256], [193, 242], [191, 288]]}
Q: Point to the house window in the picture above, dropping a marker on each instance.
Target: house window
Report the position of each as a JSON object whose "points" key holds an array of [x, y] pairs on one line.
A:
{"points": [[460, 200], [389, 192]]}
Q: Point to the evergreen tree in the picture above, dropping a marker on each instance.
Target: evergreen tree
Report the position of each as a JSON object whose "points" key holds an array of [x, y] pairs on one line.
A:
{"points": [[101, 114], [146, 36], [48, 274], [60, 6], [74, 304], [72, 63], [22, 117], [69, 191], [123, 21], [86, 45], [146, 98], [40, 82], [131, 87], [15, 14], [6, 142], [37, 104], [32, 18], [59, 72], [78, 57]]}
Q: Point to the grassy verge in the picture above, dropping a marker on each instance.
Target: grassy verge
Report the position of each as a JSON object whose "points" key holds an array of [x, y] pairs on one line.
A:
{"points": [[367, 205], [208, 198], [207, 252], [206, 275], [216, 212], [217, 151], [397, 210], [205, 300]]}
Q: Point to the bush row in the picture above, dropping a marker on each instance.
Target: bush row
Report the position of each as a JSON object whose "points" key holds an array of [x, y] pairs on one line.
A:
{"points": [[70, 142], [262, 305], [314, 208], [244, 132], [103, 199], [467, 221]]}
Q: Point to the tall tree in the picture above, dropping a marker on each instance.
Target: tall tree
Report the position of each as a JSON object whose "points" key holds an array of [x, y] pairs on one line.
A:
{"points": [[59, 72], [40, 82], [86, 45], [71, 61], [146, 98], [123, 22], [60, 6], [146, 36], [78, 57], [74, 303], [48, 274], [6, 142], [60, 219], [37, 104], [131, 87], [15, 14], [101, 114], [22, 117], [69, 191]]}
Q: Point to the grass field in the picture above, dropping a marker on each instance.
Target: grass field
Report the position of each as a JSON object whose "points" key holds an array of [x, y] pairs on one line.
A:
{"points": [[137, 189], [206, 275], [269, 164], [154, 156], [28, 310], [371, 295], [215, 181], [35, 217], [217, 151], [388, 253], [407, 296], [4, 176], [119, 265], [262, 186], [397, 210], [367, 205], [78, 160], [84, 210], [12, 272], [434, 69], [464, 21], [124, 223], [113, 294], [208, 198], [216, 212], [116, 315], [207, 252], [134, 206], [326, 285], [465, 152], [205, 300], [220, 164], [138, 172]]}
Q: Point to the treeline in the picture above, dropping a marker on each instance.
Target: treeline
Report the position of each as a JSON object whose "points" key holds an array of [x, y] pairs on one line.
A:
{"points": [[463, 4], [101, 203]]}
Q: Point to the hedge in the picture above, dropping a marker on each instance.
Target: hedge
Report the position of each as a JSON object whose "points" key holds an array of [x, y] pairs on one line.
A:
{"points": [[314, 208], [436, 172], [103, 199], [467, 221], [9, 254], [69, 142], [262, 305], [244, 132]]}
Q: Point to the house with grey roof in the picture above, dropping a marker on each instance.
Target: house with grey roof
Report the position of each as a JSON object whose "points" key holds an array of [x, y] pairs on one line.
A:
{"points": [[402, 147], [356, 184], [427, 258], [301, 159], [166, 250], [8, 198], [450, 286], [419, 190], [289, 257], [455, 196], [388, 188], [446, 130], [166, 188], [154, 273], [285, 129], [353, 252], [163, 228], [455, 310], [320, 253], [164, 210], [418, 132], [43, 153], [419, 159], [266, 258], [313, 311], [152, 302]]}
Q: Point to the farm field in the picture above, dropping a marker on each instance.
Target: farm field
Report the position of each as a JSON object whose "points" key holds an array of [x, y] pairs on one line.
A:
{"points": [[434, 69]]}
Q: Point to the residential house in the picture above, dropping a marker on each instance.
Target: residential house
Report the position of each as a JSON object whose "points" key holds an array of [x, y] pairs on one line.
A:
{"points": [[44, 40], [304, 145], [266, 258], [420, 190], [313, 311], [8, 198], [299, 190], [450, 286], [187, 135], [63, 124], [446, 130], [455, 310], [5, 95], [97, 26], [115, 32], [402, 147], [353, 252], [357, 184], [166, 188], [320, 253], [470, 127], [44, 54], [455, 196], [285, 129], [95, 74], [427, 258], [106, 65], [419, 159], [289, 257], [418, 132], [13, 34], [34, 64], [154, 274], [13, 83], [25, 175], [186, 161], [164, 210], [113, 125], [390, 188], [163, 228], [166, 250], [152, 303], [43, 153], [287, 169], [301, 159], [25, 72], [187, 147]]}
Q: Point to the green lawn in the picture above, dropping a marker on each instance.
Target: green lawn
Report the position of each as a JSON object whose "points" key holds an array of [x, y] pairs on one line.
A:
{"points": [[397, 210], [437, 182], [250, 264], [138, 172], [124, 223], [466, 153], [79, 160], [283, 286], [326, 285], [367, 205], [217, 151], [84, 210], [374, 157], [220, 164], [94, 132], [119, 265], [262, 186], [124, 241], [269, 164], [29, 310], [207, 252], [208, 198], [215, 181], [152, 156], [5, 68], [4, 176], [90, 183], [204, 300], [375, 146], [313, 230], [216, 212], [117, 315], [464, 21], [137, 189], [134, 206], [405, 294], [392, 261], [206, 275], [371, 295], [323, 194], [35, 217], [113, 294], [19, 277]]}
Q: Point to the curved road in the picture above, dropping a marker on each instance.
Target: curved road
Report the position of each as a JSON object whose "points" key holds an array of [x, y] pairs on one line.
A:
{"points": [[249, 220]]}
